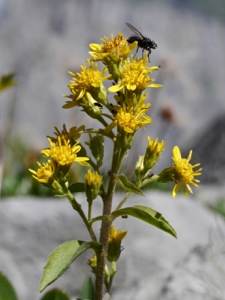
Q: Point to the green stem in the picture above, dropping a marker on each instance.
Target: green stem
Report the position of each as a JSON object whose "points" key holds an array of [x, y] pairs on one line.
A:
{"points": [[118, 155], [149, 179], [76, 206], [89, 210], [120, 205], [113, 272]]}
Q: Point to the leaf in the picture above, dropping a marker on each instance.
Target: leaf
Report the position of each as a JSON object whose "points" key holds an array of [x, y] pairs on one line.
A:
{"points": [[61, 259], [7, 81], [77, 187], [88, 290], [147, 215], [7, 291], [128, 185], [55, 294]]}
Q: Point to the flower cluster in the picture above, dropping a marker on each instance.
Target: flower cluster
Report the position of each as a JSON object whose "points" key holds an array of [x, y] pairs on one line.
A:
{"points": [[62, 153]]}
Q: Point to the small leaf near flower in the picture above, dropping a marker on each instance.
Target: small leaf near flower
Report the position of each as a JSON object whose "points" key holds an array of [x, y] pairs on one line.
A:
{"points": [[128, 186]]}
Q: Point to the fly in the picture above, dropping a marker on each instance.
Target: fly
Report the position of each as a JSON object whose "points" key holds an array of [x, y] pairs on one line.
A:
{"points": [[143, 42]]}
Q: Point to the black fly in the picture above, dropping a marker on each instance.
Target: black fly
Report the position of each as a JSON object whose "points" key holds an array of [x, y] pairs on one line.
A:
{"points": [[143, 42]]}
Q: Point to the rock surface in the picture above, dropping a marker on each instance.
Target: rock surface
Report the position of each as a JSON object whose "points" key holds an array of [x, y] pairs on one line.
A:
{"points": [[152, 264]]}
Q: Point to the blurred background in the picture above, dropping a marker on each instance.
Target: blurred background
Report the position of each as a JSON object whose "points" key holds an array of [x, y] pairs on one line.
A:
{"points": [[41, 40]]}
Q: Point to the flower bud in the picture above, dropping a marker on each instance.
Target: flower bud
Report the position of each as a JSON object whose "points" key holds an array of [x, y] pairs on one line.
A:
{"points": [[93, 185], [114, 248]]}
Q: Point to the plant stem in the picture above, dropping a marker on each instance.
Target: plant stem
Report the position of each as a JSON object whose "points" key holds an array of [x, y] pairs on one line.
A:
{"points": [[76, 206], [118, 155], [124, 200]]}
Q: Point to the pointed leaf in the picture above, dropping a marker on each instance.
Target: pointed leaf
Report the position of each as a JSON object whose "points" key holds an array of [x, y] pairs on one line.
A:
{"points": [[128, 185], [77, 187], [55, 294], [88, 289], [148, 215], [7, 291], [61, 259]]}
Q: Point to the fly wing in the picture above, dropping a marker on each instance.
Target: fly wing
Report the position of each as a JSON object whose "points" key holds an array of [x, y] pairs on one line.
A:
{"points": [[135, 30]]}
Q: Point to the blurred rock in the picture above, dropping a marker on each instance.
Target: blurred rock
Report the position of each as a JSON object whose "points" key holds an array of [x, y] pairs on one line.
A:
{"points": [[208, 148], [200, 276], [31, 228]]}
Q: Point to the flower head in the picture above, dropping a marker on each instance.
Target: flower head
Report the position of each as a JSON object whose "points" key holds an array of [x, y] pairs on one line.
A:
{"points": [[146, 162], [154, 146], [88, 80], [135, 76], [184, 173], [44, 173], [181, 172], [114, 248], [130, 117], [63, 153], [113, 49], [93, 263], [153, 153], [93, 184]]}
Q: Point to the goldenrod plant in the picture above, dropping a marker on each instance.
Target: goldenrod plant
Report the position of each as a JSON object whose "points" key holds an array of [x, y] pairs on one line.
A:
{"points": [[121, 110]]}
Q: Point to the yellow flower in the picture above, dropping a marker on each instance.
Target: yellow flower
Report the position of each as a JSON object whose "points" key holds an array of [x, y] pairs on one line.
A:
{"points": [[93, 262], [135, 76], [130, 119], [93, 184], [181, 171], [93, 178], [116, 236], [88, 80], [146, 162], [44, 173], [114, 248], [63, 153], [155, 147], [113, 49], [184, 173], [153, 152]]}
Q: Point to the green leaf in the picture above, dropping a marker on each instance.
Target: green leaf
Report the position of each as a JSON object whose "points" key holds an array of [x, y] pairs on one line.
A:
{"points": [[7, 291], [128, 185], [7, 81], [55, 294], [77, 187], [61, 259], [148, 215], [88, 290]]}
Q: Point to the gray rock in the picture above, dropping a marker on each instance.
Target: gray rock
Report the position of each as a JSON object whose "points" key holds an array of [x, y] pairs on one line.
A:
{"points": [[208, 149], [31, 228], [200, 276]]}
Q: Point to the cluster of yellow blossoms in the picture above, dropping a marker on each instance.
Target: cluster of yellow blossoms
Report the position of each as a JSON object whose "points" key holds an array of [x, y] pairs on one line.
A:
{"points": [[62, 152], [130, 77]]}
